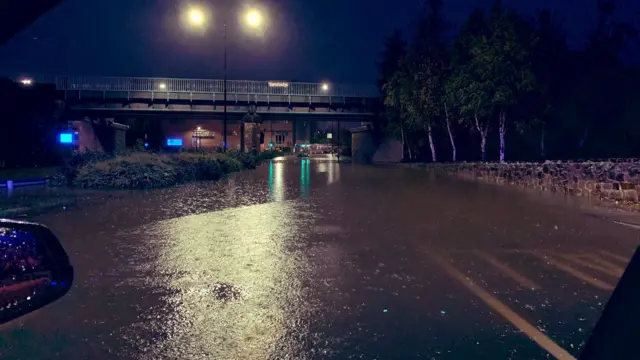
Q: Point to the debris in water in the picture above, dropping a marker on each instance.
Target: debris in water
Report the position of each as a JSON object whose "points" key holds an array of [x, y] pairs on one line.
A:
{"points": [[225, 292]]}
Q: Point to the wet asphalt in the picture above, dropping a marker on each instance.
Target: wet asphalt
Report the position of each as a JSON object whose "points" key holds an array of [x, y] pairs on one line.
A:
{"points": [[311, 259]]}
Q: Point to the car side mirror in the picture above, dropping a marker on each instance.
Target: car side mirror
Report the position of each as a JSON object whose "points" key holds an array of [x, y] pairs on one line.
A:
{"points": [[34, 268]]}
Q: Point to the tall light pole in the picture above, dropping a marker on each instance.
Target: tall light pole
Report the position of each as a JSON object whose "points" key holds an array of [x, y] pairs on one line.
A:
{"points": [[224, 118], [253, 19]]}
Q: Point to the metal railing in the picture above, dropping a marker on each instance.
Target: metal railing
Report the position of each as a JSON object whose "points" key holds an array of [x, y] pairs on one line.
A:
{"points": [[244, 87]]}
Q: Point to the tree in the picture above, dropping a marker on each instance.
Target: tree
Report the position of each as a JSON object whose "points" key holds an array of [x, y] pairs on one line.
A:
{"points": [[503, 65], [390, 81], [464, 88], [553, 77], [396, 92], [395, 48], [596, 98], [429, 60], [502, 72]]}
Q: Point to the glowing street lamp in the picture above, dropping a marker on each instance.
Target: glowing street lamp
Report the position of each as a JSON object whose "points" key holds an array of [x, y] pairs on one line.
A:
{"points": [[162, 86], [196, 16], [325, 87], [26, 82], [253, 19]]}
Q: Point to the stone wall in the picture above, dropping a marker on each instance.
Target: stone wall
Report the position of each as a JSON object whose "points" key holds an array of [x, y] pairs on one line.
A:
{"points": [[99, 135], [613, 179]]}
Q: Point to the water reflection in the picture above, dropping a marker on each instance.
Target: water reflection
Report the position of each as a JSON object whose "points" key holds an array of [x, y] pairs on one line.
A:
{"points": [[305, 178], [329, 168], [246, 247], [24, 272], [276, 181], [334, 173]]}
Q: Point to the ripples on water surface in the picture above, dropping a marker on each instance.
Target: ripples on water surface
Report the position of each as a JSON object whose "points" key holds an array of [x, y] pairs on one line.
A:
{"points": [[308, 259]]}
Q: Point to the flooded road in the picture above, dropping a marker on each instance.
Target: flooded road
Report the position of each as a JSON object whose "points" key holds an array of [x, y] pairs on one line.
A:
{"points": [[311, 259]]}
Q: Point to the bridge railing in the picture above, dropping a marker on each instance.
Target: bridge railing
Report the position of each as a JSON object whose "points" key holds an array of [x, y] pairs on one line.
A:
{"points": [[243, 87]]}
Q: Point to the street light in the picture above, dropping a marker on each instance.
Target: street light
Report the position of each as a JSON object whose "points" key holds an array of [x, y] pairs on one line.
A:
{"points": [[26, 81], [253, 19], [196, 16], [325, 87]]}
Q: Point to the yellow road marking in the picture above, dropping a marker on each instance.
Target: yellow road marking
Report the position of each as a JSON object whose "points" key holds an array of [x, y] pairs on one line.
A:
{"points": [[593, 266], [531, 331], [617, 257], [506, 270], [623, 223], [604, 262], [577, 273]]}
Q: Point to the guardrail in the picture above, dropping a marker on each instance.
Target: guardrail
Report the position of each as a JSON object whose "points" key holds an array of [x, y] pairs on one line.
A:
{"points": [[206, 86]]}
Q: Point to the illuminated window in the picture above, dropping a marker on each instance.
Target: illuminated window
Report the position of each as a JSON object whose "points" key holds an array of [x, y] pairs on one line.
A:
{"points": [[199, 134], [66, 138]]}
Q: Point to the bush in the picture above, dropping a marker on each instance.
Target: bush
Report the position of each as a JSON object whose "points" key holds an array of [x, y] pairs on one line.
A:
{"points": [[133, 171], [144, 170], [206, 166], [248, 160], [78, 159]]}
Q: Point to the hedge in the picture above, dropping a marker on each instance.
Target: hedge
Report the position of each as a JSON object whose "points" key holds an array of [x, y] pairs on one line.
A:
{"points": [[147, 170]]}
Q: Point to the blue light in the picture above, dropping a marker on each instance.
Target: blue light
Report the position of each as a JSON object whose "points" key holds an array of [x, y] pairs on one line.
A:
{"points": [[66, 138], [174, 142], [146, 144], [54, 283]]}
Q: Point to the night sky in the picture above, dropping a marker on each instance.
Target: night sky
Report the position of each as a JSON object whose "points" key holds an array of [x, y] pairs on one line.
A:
{"points": [[308, 40]]}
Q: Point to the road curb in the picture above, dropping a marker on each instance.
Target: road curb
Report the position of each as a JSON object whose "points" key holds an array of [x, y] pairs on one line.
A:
{"points": [[8, 184], [31, 210]]}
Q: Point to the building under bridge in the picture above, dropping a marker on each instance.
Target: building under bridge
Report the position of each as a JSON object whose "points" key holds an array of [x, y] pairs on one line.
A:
{"points": [[190, 112]]}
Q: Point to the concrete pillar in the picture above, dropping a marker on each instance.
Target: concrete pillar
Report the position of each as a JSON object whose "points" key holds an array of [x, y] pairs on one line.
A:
{"points": [[362, 145], [295, 133], [241, 136], [251, 137]]}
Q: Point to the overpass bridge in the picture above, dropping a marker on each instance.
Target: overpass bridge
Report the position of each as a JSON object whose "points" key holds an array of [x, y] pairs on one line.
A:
{"points": [[172, 98], [280, 112]]}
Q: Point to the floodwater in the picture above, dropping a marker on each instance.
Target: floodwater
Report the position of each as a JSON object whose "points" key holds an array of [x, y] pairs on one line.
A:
{"points": [[311, 259]]}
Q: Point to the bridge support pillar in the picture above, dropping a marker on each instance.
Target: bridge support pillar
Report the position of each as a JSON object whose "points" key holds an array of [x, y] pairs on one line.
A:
{"points": [[251, 137], [362, 145], [295, 133], [242, 136]]}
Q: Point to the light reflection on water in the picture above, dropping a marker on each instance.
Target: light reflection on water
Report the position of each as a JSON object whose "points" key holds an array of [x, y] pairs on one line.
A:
{"points": [[314, 274], [305, 178], [330, 169], [247, 247], [276, 181], [333, 173]]}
